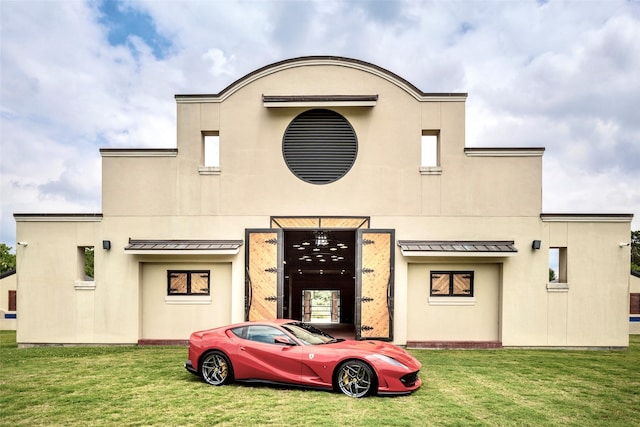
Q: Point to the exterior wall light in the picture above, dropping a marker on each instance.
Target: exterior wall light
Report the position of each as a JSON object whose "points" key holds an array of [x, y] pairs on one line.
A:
{"points": [[106, 245], [622, 244], [535, 244]]}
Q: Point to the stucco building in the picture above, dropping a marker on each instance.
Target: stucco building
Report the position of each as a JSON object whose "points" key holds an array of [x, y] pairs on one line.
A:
{"points": [[333, 177]]}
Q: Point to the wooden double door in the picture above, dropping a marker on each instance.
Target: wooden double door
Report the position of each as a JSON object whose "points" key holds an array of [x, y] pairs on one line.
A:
{"points": [[374, 263]]}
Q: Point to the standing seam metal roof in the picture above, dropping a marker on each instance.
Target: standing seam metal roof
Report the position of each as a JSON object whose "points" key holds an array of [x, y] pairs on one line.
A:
{"points": [[457, 245]]}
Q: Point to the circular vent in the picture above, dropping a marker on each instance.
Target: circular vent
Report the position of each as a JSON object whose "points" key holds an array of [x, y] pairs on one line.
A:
{"points": [[319, 146]]}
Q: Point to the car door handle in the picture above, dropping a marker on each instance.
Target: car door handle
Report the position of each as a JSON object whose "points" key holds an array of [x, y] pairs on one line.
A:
{"points": [[241, 348]]}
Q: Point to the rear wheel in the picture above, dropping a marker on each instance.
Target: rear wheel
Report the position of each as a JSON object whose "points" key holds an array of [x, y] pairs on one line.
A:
{"points": [[356, 379], [216, 368]]}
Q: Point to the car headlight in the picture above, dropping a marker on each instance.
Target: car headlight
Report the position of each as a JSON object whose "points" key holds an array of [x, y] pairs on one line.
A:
{"points": [[389, 360]]}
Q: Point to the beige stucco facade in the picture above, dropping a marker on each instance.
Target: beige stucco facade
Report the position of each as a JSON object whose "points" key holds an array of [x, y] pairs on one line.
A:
{"points": [[479, 195]]}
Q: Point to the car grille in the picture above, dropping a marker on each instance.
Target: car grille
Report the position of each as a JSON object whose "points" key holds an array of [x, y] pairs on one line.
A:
{"points": [[410, 379]]}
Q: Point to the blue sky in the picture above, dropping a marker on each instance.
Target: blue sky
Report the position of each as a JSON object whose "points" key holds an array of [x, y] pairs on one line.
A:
{"points": [[78, 76], [122, 21]]}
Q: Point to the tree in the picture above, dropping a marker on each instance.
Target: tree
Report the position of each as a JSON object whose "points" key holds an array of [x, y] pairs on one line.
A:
{"points": [[552, 275], [7, 259], [88, 261], [635, 250]]}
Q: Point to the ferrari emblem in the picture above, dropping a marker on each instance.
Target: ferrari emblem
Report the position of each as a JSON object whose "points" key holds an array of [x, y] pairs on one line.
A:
{"points": [[311, 355]]}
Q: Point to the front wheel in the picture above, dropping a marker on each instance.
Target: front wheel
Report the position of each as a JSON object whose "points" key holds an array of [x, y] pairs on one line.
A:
{"points": [[355, 379], [216, 369]]}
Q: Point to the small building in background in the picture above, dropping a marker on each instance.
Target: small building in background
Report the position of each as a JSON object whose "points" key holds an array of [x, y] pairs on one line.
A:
{"points": [[8, 311]]}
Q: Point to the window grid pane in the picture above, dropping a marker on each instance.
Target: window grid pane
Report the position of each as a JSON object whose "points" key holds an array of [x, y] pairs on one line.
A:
{"points": [[439, 284], [178, 283], [199, 283], [461, 284]]}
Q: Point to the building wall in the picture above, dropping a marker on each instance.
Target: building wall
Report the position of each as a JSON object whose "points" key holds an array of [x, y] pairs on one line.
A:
{"points": [[164, 317], [587, 310], [451, 318], [478, 195]]}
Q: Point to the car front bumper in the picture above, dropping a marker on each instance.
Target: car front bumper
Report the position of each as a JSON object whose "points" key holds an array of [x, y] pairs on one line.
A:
{"points": [[189, 367]]}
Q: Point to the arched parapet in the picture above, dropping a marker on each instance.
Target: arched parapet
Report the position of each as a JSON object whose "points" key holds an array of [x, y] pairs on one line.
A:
{"points": [[310, 61]]}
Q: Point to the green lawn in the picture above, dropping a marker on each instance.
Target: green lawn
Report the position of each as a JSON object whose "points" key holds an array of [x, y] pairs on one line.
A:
{"points": [[149, 386]]}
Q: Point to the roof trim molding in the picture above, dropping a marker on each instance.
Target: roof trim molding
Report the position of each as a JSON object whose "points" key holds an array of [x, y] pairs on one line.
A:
{"points": [[586, 217], [182, 247], [57, 217], [13, 271], [306, 61], [504, 151], [138, 152], [458, 248]]}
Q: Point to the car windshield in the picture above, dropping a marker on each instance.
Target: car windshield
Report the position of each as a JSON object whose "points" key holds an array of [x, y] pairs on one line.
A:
{"points": [[308, 334]]}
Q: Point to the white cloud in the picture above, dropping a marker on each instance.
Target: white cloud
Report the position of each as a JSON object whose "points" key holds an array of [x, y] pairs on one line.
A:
{"points": [[557, 74]]}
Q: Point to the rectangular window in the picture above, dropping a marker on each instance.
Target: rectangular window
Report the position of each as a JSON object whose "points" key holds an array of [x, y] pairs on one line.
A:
{"points": [[451, 283], [634, 304], [429, 151], [188, 282], [85, 264], [558, 265], [212, 151]]}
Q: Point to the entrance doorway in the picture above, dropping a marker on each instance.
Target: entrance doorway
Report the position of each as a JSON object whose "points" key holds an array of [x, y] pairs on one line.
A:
{"points": [[282, 263], [319, 276]]}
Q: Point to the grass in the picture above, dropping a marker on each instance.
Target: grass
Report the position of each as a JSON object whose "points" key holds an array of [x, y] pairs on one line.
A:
{"points": [[148, 386]]}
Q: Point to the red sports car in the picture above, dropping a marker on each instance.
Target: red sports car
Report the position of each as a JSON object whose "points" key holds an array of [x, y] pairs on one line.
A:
{"points": [[296, 353]]}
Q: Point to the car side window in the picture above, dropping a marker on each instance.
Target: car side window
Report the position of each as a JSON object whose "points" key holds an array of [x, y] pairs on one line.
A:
{"points": [[262, 333]]}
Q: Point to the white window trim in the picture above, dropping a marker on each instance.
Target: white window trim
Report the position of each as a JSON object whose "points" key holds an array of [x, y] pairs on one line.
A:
{"points": [[209, 170], [430, 170], [452, 301], [84, 285], [187, 299], [557, 287]]}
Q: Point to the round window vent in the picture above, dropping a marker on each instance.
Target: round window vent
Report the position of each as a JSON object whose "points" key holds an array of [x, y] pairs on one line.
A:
{"points": [[319, 146]]}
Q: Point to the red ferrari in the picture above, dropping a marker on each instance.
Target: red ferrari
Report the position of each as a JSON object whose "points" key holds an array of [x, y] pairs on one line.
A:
{"points": [[295, 353]]}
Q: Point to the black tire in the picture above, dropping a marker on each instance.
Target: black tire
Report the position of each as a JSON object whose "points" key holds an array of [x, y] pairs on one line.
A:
{"points": [[355, 379], [216, 369]]}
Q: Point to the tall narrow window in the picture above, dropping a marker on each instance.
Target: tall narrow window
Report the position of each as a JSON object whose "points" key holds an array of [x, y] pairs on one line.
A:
{"points": [[85, 263], [430, 153], [429, 150], [212, 151], [558, 265]]}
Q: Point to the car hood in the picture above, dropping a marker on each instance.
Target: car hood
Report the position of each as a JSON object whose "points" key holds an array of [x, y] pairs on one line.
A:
{"points": [[380, 347]]}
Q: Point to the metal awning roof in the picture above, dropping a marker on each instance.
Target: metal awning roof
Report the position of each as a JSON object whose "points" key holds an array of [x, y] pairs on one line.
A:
{"points": [[457, 248], [319, 100], [175, 247]]}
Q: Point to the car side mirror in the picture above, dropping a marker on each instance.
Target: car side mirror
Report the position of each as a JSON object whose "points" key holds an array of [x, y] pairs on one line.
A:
{"points": [[283, 340]]}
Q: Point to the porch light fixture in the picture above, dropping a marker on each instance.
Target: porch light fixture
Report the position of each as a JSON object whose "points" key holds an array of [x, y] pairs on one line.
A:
{"points": [[535, 244], [106, 245]]}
